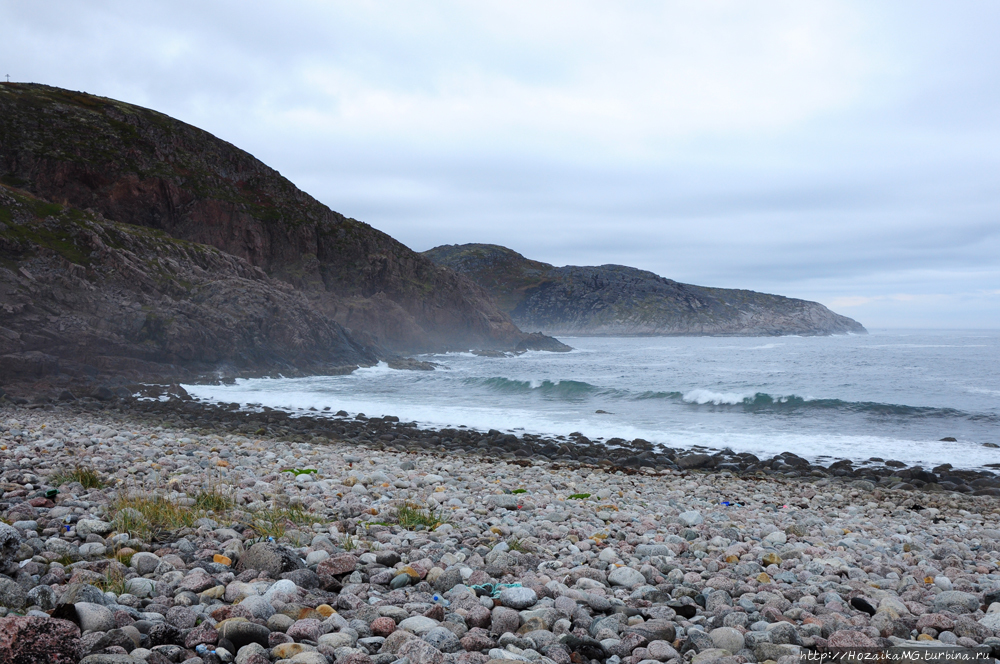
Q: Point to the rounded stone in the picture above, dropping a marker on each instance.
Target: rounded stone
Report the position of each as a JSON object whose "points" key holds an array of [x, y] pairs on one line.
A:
{"points": [[626, 576], [443, 639], [144, 563], [308, 629], [94, 617], [258, 606], [518, 598], [727, 638], [279, 622], [241, 632], [383, 626], [12, 595], [419, 625], [504, 620]]}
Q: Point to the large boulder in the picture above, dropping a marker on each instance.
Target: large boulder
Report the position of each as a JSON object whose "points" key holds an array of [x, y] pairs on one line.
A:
{"points": [[35, 640]]}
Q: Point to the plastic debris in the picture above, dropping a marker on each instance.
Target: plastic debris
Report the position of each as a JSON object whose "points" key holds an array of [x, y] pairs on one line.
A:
{"points": [[492, 589]]}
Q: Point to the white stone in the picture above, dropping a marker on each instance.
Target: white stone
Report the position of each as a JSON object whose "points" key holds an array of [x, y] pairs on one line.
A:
{"points": [[626, 576], [692, 518], [419, 625]]}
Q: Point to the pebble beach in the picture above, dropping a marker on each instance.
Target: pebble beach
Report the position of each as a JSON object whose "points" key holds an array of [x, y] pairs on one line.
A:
{"points": [[160, 533]]}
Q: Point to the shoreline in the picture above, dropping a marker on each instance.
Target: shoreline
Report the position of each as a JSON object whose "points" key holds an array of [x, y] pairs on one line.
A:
{"points": [[617, 564], [160, 400]]}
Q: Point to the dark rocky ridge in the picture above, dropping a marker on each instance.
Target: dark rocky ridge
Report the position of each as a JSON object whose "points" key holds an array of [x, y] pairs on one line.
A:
{"points": [[81, 295], [619, 300], [137, 166]]}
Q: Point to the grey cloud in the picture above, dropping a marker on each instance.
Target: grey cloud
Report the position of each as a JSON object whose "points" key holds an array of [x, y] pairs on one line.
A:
{"points": [[873, 174]]}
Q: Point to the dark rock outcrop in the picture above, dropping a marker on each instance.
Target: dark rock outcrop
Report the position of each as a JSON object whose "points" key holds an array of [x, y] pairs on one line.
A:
{"points": [[137, 166], [618, 300], [83, 295]]}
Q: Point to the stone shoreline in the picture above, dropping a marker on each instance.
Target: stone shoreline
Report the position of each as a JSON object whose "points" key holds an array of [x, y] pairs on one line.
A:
{"points": [[644, 555]]}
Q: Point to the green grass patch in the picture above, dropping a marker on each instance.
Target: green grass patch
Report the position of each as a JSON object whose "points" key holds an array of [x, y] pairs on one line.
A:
{"points": [[88, 477], [300, 471], [579, 496], [519, 491], [410, 515], [151, 517], [213, 499]]}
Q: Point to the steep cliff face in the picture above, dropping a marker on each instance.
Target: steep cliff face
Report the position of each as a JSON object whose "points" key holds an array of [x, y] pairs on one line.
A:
{"points": [[137, 166], [618, 300], [83, 295]]}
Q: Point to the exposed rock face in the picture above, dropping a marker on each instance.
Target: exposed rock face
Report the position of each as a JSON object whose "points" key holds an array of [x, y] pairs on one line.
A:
{"points": [[137, 166], [618, 300], [80, 294]]}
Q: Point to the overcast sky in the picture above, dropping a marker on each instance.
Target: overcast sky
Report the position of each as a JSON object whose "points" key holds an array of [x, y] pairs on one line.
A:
{"points": [[843, 152]]}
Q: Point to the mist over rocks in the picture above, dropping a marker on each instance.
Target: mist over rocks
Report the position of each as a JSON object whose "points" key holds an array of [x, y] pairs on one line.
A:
{"points": [[533, 558], [615, 300]]}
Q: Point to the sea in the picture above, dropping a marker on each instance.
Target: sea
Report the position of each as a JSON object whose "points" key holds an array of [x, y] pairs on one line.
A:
{"points": [[888, 394]]}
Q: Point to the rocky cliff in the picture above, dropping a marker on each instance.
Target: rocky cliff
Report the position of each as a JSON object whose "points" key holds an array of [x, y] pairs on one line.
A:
{"points": [[136, 166], [618, 300], [81, 295]]}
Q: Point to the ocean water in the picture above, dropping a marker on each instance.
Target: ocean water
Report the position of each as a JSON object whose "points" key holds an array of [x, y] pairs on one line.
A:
{"points": [[890, 394]]}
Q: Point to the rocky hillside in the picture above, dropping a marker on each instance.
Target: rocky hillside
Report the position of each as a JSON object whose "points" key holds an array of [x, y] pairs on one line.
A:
{"points": [[136, 166], [618, 300], [81, 295]]}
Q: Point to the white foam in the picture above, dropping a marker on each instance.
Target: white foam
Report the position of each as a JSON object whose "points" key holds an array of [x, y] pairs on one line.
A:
{"points": [[703, 396]]}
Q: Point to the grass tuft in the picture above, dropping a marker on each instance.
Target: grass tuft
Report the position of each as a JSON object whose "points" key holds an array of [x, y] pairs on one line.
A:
{"points": [[114, 581], [274, 522], [518, 544], [151, 517], [579, 496], [410, 515], [88, 477], [213, 499]]}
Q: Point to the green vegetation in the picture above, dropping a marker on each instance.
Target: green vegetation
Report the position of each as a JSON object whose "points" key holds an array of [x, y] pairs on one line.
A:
{"points": [[579, 496], [114, 581], [519, 491], [149, 516], [299, 471], [518, 544], [213, 499], [410, 515], [275, 522], [88, 477]]}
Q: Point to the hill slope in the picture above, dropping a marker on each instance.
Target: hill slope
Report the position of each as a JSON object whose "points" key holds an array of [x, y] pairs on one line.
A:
{"points": [[618, 300], [82, 295], [137, 166]]}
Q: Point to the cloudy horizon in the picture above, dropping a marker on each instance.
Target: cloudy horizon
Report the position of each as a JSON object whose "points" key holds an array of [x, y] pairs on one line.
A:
{"points": [[842, 152]]}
